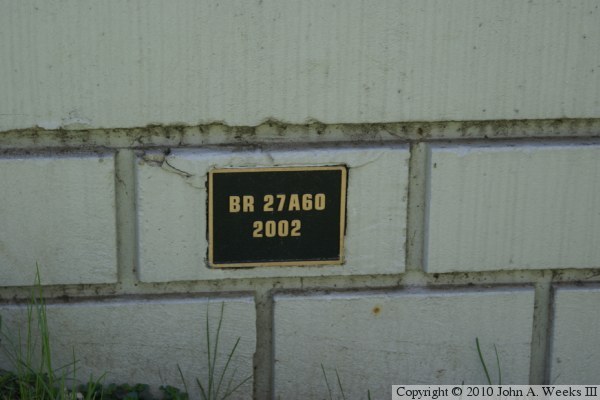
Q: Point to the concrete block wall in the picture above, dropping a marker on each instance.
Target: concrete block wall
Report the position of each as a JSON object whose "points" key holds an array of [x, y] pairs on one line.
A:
{"points": [[471, 133], [447, 241]]}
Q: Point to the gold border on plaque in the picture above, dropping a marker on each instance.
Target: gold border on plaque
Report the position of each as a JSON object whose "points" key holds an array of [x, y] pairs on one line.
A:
{"points": [[339, 261]]}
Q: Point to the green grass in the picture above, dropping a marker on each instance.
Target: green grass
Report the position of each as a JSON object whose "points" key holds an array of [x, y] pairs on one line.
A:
{"points": [[339, 385], [220, 383], [484, 366], [35, 377]]}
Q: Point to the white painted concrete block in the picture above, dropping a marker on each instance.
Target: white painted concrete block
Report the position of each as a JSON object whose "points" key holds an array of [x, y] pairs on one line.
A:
{"points": [[376, 340], [84, 63], [143, 341], [172, 211], [513, 207], [575, 340], [58, 213]]}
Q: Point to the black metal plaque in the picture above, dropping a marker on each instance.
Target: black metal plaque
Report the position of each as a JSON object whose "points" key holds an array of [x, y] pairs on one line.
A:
{"points": [[276, 216]]}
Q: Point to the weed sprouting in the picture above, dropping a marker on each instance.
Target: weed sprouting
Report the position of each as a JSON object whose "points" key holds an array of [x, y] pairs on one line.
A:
{"points": [[215, 388], [340, 387], [35, 376], [485, 369]]}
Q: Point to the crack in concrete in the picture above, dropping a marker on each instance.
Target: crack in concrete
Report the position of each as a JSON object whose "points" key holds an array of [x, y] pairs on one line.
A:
{"points": [[161, 161], [167, 166], [366, 162]]}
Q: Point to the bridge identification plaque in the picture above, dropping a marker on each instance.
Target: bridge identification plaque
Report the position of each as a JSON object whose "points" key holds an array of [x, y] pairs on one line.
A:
{"points": [[276, 216]]}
